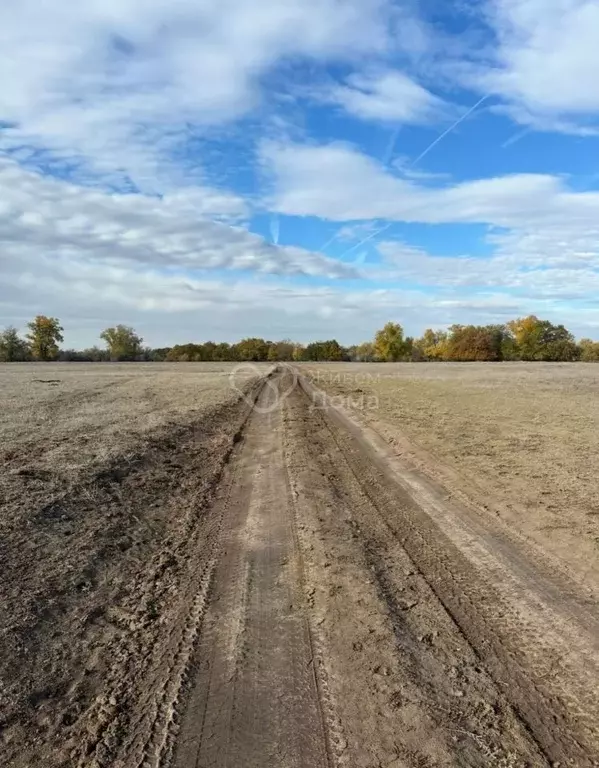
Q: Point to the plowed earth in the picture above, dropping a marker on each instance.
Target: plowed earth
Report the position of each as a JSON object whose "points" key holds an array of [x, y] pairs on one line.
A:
{"points": [[274, 588]]}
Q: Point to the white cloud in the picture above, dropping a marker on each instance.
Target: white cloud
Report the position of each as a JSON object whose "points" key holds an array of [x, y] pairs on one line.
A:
{"points": [[545, 63], [352, 232], [118, 82], [546, 247], [337, 182], [111, 90], [168, 308], [387, 95], [550, 264], [94, 259], [43, 218]]}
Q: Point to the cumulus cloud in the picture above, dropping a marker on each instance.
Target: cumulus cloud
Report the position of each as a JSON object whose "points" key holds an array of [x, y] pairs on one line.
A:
{"points": [[544, 236], [170, 308], [387, 95], [337, 182], [164, 266], [44, 218], [530, 263], [545, 63], [119, 82], [121, 96]]}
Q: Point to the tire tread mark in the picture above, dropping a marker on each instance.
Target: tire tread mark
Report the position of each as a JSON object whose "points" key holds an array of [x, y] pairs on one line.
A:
{"points": [[332, 729], [550, 750]]}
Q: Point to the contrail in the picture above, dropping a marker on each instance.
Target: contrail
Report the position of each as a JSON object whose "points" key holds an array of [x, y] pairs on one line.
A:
{"points": [[413, 162], [516, 137], [275, 229], [391, 146], [329, 241], [449, 130], [386, 159]]}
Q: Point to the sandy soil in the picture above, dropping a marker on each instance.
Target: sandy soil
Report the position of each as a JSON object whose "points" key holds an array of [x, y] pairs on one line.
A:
{"points": [[518, 440], [272, 584], [104, 471], [69, 417]]}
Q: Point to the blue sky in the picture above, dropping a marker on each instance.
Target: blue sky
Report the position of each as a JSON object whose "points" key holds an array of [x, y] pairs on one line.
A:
{"points": [[213, 170]]}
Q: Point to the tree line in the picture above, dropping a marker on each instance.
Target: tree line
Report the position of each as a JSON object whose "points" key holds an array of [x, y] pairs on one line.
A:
{"points": [[527, 338]]}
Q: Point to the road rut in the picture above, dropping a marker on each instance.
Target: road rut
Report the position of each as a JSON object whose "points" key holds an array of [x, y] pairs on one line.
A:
{"points": [[344, 627], [304, 602], [254, 699]]}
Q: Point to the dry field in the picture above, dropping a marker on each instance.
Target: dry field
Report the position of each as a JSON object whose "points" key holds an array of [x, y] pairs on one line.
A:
{"points": [[66, 418], [519, 440], [342, 566], [95, 462]]}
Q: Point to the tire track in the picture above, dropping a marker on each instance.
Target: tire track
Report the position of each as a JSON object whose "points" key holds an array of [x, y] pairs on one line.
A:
{"points": [[334, 624], [472, 604], [134, 722], [159, 747], [332, 729], [254, 697], [405, 684]]}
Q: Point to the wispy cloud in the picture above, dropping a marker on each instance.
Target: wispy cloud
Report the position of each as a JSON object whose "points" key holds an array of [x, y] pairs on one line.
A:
{"points": [[179, 231], [117, 84], [338, 182], [544, 64], [388, 96], [140, 143]]}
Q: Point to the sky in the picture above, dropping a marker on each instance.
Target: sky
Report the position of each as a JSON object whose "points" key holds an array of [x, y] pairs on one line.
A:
{"points": [[213, 170]]}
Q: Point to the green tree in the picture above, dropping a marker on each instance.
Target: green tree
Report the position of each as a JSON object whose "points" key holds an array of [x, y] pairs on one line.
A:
{"points": [[223, 352], [299, 353], [362, 353], [431, 346], [333, 351], [509, 347], [45, 333], [541, 340], [183, 353], [13, 348], [71, 356], [95, 355], [281, 351], [252, 349], [324, 351], [122, 342], [559, 345], [158, 355], [589, 351], [206, 352], [389, 343]]}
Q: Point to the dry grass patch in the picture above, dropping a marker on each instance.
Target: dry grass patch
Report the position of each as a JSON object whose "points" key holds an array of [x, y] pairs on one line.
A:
{"points": [[519, 439]]}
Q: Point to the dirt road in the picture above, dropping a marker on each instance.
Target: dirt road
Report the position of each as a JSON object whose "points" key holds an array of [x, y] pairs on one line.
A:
{"points": [[254, 698], [321, 605], [345, 627]]}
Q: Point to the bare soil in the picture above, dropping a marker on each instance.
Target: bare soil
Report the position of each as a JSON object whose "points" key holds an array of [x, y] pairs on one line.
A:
{"points": [[268, 583], [519, 441], [107, 471]]}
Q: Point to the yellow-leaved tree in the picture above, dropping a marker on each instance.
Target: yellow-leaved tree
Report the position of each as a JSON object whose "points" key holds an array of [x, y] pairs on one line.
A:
{"points": [[389, 343], [45, 334]]}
